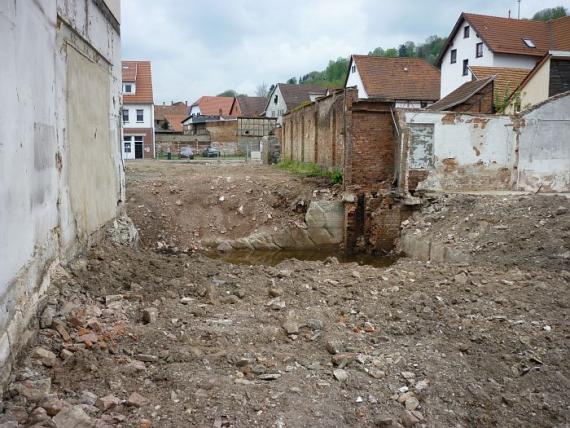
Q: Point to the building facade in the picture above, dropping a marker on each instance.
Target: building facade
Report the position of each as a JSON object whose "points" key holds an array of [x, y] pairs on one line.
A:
{"points": [[284, 97], [490, 41], [138, 111]]}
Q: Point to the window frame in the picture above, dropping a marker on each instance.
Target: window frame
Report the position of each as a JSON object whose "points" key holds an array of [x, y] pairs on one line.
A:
{"points": [[127, 120], [479, 50], [141, 111], [353, 68], [466, 31], [453, 56], [465, 71]]}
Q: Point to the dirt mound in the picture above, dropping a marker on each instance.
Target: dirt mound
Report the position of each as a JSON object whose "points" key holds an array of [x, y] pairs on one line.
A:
{"points": [[205, 343], [504, 230], [184, 205]]}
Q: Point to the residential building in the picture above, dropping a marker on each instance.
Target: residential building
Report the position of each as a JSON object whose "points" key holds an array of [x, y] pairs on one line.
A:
{"points": [[168, 129], [245, 106], [212, 106], [217, 131], [505, 82], [410, 82], [284, 97], [138, 111], [491, 41], [550, 77]]}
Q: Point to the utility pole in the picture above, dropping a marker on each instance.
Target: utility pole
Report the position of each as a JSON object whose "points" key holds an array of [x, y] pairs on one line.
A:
{"points": [[519, 14]]}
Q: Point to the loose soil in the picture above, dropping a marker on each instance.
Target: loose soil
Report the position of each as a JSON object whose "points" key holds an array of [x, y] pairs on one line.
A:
{"points": [[309, 343]]}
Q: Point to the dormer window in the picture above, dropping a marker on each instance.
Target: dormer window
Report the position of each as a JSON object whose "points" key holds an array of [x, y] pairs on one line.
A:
{"points": [[466, 32], [128, 88], [529, 43], [354, 68]]}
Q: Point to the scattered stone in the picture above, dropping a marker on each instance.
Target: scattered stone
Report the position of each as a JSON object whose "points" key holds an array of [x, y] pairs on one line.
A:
{"points": [[224, 247], [290, 325], [376, 374], [178, 202], [269, 376], [411, 403], [87, 397], [150, 315], [275, 291], [107, 402], [561, 210], [461, 278], [186, 300], [147, 358], [53, 406], [46, 318], [60, 328], [356, 274], [258, 369], [547, 328], [47, 358], [137, 400], [284, 273], [112, 298], [411, 418], [145, 423], [384, 421], [359, 399], [315, 324], [340, 375], [73, 417], [333, 346], [408, 375], [342, 360], [422, 385], [276, 304]]}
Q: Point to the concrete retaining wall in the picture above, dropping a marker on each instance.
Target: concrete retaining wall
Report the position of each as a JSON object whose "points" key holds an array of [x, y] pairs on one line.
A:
{"points": [[61, 176]]}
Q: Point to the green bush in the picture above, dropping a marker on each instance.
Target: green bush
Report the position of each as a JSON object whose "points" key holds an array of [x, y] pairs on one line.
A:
{"points": [[310, 169]]}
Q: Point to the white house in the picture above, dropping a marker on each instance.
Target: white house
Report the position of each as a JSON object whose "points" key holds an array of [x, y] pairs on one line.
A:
{"points": [[138, 111], [410, 82], [285, 97], [490, 41]]}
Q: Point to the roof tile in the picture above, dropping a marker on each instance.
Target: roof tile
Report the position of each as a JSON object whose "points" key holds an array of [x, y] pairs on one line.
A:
{"points": [[460, 95], [140, 73]]}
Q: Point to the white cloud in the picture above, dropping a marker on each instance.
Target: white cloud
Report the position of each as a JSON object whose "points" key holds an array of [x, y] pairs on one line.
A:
{"points": [[202, 48]]}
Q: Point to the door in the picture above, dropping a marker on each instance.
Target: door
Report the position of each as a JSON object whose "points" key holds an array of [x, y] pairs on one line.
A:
{"points": [[128, 151], [138, 147]]}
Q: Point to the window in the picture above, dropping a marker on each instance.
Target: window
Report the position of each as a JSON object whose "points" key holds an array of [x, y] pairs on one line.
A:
{"points": [[479, 50], [529, 43], [140, 115], [466, 32], [128, 88], [465, 67], [453, 56], [275, 99], [127, 147], [125, 115], [354, 68], [423, 104], [138, 139]]}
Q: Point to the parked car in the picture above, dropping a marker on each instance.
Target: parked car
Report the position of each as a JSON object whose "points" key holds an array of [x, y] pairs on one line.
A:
{"points": [[186, 153], [211, 152]]}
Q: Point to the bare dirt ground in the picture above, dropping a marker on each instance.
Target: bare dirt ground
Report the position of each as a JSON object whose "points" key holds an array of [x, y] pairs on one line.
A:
{"points": [[187, 205], [139, 338]]}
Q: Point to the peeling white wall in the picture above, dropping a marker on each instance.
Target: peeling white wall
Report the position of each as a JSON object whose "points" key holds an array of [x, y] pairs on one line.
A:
{"points": [[44, 219], [475, 152], [544, 148], [469, 152]]}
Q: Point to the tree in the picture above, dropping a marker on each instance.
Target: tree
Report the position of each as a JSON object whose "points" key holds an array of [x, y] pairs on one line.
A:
{"points": [[550, 13], [262, 90], [228, 93], [292, 81]]}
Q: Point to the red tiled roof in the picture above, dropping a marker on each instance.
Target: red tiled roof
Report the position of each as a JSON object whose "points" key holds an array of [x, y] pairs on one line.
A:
{"points": [[460, 95], [398, 78], [214, 106], [294, 95], [507, 80], [505, 35], [248, 106], [140, 73]]}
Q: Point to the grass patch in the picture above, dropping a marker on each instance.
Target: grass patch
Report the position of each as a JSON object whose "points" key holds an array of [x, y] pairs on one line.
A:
{"points": [[310, 169]]}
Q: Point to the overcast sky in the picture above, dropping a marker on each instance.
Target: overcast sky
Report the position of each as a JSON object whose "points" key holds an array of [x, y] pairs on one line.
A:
{"points": [[205, 47]]}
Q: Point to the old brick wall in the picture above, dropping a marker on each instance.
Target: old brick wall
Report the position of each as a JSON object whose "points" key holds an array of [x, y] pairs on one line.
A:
{"points": [[222, 131], [172, 142], [369, 154], [316, 132]]}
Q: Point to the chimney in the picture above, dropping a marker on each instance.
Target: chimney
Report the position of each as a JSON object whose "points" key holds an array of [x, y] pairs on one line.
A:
{"points": [[186, 102], [509, 13], [220, 112]]}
